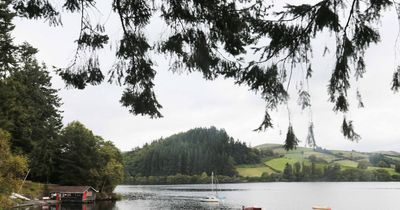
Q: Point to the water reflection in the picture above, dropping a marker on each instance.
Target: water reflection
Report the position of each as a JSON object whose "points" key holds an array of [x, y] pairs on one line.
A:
{"points": [[101, 205], [269, 196], [131, 203]]}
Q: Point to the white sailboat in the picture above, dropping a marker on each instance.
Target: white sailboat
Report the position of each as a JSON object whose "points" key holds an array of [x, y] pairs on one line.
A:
{"points": [[213, 197]]}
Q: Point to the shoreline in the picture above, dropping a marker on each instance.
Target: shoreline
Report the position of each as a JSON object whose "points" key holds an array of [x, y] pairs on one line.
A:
{"points": [[35, 203], [54, 202]]}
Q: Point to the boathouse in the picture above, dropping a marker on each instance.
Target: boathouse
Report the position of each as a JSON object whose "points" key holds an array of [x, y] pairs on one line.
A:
{"points": [[81, 194]]}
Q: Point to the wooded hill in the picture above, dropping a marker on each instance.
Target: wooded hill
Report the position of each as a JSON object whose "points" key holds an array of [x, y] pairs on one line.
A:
{"points": [[193, 152], [202, 150]]}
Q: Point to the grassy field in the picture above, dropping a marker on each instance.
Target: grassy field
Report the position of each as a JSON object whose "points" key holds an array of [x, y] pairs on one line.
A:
{"points": [[256, 171], [347, 163], [279, 163], [390, 170], [346, 159]]}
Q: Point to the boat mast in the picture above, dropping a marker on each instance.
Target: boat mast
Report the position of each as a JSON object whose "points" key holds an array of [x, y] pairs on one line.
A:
{"points": [[212, 181]]}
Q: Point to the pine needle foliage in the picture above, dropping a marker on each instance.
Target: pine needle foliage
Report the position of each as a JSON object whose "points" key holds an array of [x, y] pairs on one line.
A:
{"points": [[213, 37], [348, 131], [291, 141], [310, 140]]}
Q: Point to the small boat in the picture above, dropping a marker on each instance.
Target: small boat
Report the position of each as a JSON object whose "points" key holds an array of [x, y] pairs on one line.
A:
{"points": [[321, 208], [211, 198], [251, 208]]}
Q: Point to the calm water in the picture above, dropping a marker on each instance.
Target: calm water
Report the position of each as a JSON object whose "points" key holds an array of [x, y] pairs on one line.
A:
{"points": [[270, 196]]}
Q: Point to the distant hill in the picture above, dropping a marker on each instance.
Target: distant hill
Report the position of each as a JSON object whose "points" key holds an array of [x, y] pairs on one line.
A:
{"points": [[193, 152], [391, 153], [278, 158]]}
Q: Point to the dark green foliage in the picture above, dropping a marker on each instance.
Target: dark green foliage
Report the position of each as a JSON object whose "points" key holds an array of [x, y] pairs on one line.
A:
{"points": [[78, 158], [193, 152], [288, 172], [35, 9], [348, 131], [297, 171], [29, 110], [29, 106], [360, 102], [332, 173], [396, 80], [310, 140], [43, 160], [397, 167], [382, 175], [184, 179], [291, 141], [304, 99], [215, 37], [85, 159], [80, 79], [381, 160], [7, 58]]}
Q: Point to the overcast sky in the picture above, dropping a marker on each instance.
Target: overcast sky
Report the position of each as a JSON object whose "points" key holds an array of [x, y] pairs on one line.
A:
{"points": [[189, 101]]}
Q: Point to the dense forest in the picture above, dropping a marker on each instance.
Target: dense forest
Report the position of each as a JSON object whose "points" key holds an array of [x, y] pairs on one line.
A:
{"points": [[193, 152], [35, 143], [30, 115]]}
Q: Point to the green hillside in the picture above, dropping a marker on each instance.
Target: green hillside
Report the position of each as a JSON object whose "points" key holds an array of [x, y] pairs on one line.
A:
{"points": [[190, 153], [385, 160], [191, 156]]}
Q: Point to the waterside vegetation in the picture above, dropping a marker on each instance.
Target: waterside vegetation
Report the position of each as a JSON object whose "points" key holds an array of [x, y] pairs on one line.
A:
{"points": [[236, 162]]}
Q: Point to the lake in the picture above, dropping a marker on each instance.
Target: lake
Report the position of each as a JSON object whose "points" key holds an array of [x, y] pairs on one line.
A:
{"points": [[269, 196]]}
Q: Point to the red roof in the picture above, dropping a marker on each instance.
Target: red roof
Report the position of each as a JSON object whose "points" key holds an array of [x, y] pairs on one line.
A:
{"points": [[72, 189]]}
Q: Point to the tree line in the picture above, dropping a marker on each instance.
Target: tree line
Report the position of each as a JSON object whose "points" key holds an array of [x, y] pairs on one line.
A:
{"points": [[30, 113], [193, 152], [297, 172], [301, 172], [32, 136]]}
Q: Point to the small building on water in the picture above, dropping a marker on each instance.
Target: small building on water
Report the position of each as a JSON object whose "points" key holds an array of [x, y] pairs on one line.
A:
{"points": [[81, 194]]}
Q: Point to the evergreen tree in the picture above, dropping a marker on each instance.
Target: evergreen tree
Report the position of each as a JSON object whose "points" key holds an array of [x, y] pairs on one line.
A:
{"points": [[193, 152], [297, 171], [29, 111], [288, 172], [7, 49], [29, 106]]}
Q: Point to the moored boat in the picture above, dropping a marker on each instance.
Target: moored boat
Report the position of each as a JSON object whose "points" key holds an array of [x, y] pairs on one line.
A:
{"points": [[251, 208], [321, 208], [211, 198]]}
